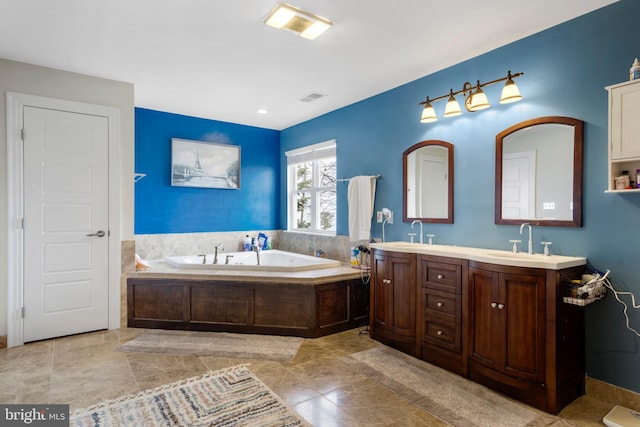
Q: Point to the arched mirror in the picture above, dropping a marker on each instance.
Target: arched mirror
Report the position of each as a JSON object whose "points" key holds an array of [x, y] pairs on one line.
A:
{"points": [[427, 182], [539, 173]]}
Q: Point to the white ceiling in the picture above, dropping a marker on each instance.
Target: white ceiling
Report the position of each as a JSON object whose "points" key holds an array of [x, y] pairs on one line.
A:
{"points": [[216, 59]]}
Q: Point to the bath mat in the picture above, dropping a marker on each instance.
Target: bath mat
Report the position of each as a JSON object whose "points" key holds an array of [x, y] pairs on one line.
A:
{"points": [[453, 399], [229, 397], [220, 344]]}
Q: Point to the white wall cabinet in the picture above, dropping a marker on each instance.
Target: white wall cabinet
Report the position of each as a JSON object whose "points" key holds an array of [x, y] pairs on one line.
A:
{"points": [[624, 132]]}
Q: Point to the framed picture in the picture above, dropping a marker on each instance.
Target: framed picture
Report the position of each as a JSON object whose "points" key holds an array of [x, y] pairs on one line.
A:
{"points": [[204, 164]]}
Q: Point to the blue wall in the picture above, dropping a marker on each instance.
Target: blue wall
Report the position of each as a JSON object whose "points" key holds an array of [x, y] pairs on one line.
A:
{"points": [[161, 208], [566, 69]]}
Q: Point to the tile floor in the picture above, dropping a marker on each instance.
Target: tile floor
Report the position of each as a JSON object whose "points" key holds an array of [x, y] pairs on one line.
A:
{"points": [[84, 369]]}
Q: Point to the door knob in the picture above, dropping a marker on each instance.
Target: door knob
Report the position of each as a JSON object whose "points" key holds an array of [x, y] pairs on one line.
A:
{"points": [[494, 305], [99, 233], [500, 306]]}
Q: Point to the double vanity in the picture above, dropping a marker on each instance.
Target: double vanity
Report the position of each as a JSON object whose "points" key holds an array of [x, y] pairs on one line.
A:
{"points": [[495, 317]]}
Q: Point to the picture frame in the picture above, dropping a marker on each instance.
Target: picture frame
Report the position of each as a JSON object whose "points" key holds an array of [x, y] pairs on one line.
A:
{"points": [[204, 164]]}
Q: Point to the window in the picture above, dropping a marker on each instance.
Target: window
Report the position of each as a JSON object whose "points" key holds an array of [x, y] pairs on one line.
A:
{"points": [[311, 183]]}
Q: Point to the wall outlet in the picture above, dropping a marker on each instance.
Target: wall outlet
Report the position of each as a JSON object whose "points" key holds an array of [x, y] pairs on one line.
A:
{"points": [[390, 221], [549, 205]]}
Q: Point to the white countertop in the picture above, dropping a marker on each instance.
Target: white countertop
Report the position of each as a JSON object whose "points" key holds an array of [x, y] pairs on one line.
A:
{"points": [[491, 256]]}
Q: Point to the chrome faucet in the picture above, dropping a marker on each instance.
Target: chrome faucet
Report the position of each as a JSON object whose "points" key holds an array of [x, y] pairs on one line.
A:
{"points": [[256, 249], [215, 255], [530, 251], [419, 222]]}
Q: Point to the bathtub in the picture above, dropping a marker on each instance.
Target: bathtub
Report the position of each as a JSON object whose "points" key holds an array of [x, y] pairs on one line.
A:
{"points": [[270, 260]]}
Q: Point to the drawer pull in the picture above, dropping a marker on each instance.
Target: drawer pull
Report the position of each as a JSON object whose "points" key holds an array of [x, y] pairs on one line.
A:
{"points": [[440, 276], [494, 305], [440, 304], [386, 281], [440, 332], [500, 306]]}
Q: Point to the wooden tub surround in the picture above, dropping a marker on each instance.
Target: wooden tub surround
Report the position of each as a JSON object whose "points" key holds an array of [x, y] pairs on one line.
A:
{"points": [[306, 304]]}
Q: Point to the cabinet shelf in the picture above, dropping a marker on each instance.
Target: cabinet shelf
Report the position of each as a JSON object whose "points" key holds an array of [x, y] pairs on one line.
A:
{"points": [[628, 190]]}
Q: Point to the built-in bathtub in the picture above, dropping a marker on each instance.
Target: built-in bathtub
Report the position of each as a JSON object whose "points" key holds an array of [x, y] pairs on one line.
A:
{"points": [[287, 294], [270, 260]]}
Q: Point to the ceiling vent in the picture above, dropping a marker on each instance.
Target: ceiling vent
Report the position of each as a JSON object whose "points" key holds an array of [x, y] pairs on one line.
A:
{"points": [[312, 97]]}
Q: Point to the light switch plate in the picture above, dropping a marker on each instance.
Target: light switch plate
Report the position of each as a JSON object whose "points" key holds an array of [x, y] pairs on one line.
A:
{"points": [[379, 216]]}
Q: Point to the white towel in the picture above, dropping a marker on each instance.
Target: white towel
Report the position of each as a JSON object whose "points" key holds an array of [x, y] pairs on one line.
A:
{"points": [[361, 195]]}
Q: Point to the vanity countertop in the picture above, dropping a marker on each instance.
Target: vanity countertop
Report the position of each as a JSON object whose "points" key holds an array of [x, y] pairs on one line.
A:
{"points": [[491, 256]]}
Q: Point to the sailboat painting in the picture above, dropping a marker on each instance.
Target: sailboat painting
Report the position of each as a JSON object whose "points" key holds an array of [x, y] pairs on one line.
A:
{"points": [[204, 164]]}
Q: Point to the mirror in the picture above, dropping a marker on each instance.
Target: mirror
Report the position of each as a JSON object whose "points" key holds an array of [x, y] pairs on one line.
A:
{"points": [[539, 173], [427, 182]]}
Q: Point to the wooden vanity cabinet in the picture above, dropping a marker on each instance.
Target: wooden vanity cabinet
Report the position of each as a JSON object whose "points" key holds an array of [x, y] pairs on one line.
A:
{"points": [[393, 300], [521, 334], [442, 284]]}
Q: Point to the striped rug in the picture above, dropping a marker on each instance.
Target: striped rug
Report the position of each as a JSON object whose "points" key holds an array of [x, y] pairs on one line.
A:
{"points": [[230, 397]]}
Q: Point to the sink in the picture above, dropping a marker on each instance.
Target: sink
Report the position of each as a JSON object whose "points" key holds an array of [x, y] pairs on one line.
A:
{"points": [[519, 255], [491, 256]]}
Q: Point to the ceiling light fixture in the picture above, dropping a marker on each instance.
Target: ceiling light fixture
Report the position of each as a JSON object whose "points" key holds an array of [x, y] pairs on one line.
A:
{"points": [[301, 22], [476, 98], [262, 111]]}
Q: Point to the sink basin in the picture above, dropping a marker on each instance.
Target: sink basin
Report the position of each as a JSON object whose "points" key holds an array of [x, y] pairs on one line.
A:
{"points": [[519, 255], [491, 256]]}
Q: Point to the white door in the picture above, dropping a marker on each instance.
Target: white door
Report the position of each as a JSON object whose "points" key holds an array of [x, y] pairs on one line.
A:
{"points": [[66, 220], [435, 188], [518, 185]]}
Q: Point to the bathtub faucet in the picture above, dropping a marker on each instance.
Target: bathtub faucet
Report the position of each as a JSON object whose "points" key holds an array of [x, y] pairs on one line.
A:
{"points": [[227, 260], [256, 249], [215, 255]]}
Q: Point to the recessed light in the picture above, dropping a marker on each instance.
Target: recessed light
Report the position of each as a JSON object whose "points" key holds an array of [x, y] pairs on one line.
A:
{"points": [[262, 111]]}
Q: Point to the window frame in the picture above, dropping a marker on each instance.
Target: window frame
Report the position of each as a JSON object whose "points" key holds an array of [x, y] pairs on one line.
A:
{"points": [[310, 154]]}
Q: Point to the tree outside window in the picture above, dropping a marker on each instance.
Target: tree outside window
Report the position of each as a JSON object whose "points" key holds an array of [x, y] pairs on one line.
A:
{"points": [[312, 194]]}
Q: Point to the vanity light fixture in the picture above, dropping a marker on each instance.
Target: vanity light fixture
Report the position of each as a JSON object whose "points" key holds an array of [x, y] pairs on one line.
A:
{"points": [[476, 98], [301, 22]]}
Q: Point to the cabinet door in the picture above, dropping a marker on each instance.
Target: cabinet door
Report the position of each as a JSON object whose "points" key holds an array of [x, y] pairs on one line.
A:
{"points": [[379, 298], [401, 295], [624, 125], [523, 299], [487, 323], [508, 321]]}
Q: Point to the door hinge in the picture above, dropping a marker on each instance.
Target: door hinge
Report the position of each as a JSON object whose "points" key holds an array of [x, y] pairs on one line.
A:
{"points": [[22, 134], [22, 312], [22, 223]]}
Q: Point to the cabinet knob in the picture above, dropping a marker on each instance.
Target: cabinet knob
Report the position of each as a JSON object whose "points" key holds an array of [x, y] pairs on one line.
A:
{"points": [[439, 332], [440, 276], [386, 281], [440, 304], [500, 306], [494, 305]]}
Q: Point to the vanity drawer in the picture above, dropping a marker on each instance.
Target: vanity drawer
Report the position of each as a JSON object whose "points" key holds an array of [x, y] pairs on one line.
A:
{"points": [[442, 334], [441, 303], [442, 276]]}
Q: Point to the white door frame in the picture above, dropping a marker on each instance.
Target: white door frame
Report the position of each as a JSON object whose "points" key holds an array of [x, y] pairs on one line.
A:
{"points": [[15, 166]]}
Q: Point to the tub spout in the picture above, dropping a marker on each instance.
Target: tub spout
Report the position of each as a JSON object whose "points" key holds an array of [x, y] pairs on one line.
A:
{"points": [[256, 249], [215, 255], [227, 259]]}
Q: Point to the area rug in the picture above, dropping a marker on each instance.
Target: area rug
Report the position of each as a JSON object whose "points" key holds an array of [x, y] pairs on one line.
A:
{"points": [[454, 399], [220, 344], [230, 397]]}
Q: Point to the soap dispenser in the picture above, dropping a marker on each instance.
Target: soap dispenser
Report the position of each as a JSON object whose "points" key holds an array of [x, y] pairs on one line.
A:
{"points": [[634, 72]]}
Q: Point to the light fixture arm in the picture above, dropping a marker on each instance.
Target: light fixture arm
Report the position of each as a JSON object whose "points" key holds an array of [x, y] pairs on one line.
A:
{"points": [[467, 87]]}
